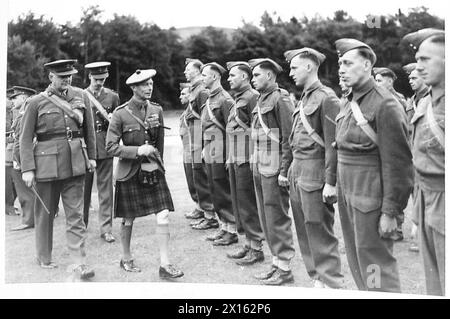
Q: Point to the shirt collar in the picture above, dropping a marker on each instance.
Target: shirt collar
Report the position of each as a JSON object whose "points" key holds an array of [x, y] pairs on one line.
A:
{"points": [[67, 94], [358, 93], [311, 88], [242, 90], [271, 88], [137, 103], [195, 84], [215, 91]]}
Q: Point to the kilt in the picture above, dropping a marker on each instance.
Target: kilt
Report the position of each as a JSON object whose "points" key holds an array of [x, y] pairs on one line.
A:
{"points": [[135, 200]]}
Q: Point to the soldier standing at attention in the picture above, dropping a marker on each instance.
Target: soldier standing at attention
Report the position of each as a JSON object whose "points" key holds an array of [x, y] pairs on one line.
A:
{"points": [[241, 179], [141, 187], [386, 77], [418, 86], [103, 102], [10, 191], [55, 167], [374, 169], [272, 156], [312, 174], [428, 148]]}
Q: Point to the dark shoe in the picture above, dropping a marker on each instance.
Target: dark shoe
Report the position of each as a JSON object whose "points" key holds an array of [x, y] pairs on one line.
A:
{"points": [[267, 274], [108, 237], [217, 235], [279, 277], [169, 271], [226, 240], [196, 222], [50, 265], [206, 224], [21, 227], [240, 253], [128, 265], [84, 272], [253, 257], [195, 214]]}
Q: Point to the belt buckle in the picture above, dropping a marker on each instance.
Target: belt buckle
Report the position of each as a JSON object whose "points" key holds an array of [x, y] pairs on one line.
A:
{"points": [[99, 128], [69, 135]]}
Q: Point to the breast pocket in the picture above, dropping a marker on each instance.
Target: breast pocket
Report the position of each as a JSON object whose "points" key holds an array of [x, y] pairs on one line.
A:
{"points": [[46, 161], [130, 134], [51, 118]]}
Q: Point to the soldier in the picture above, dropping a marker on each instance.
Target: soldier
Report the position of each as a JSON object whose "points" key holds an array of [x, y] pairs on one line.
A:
{"points": [[428, 148], [386, 77], [374, 174], [103, 102], [418, 86], [24, 193], [141, 187], [10, 190], [187, 156], [241, 179], [271, 126], [197, 99], [312, 174], [214, 120], [61, 120]]}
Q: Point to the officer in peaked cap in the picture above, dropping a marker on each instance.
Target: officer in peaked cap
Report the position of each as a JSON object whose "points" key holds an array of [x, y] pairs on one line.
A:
{"points": [[428, 148], [214, 119], [373, 160], [103, 102], [61, 120], [271, 127], [140, 183], [241, 180], [386, 77], [312, 174], [204, 212]]}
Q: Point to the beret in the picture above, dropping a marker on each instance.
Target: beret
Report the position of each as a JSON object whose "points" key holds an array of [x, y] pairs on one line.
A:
{"points": [[415, 39], [409, 67], [290, 54], [62, 67], [17, 90], [243, 64], [98, 69], [385, 72], [346, 44], [216, 66], [140, 76], [255, 62]]}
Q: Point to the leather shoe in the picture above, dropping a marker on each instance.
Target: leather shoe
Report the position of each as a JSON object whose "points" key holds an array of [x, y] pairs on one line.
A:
{"points": [[196, 222], [252, 257], [226, 240], [195, 214], [128, 265], [169, 272], [267, 274], [216, 236], [108, 237], [21, 227], [240, 253], [279, 277], [206, 224], [84, 271], [50, 265]]}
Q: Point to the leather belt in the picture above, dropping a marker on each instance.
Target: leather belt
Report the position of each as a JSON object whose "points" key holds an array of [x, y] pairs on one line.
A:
{"points": [[68, 135]]}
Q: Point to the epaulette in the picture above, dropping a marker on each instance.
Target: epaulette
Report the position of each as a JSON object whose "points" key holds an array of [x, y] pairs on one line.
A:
{"points": [[156, 105], [120, 107]]}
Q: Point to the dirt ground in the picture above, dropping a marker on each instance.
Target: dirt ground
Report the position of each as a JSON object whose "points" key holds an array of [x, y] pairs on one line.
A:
{"points": [[201, 262]]}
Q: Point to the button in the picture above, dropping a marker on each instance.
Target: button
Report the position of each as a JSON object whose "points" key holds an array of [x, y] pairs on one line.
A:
{"points": [[65, 116], [68, 128]]}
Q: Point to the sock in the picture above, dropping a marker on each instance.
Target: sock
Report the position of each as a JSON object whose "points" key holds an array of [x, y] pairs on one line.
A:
{"points": [[163, 235]]}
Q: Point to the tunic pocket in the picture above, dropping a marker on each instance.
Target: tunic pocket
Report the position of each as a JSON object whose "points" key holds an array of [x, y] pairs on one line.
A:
{"points": [[46, 161], [78, 157]]}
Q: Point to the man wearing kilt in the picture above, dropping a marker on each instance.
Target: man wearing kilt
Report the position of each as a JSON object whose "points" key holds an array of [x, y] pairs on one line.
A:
{"points": [[140, 185]]}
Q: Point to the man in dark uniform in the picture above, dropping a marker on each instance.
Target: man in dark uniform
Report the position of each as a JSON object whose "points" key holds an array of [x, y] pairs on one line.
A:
{"points": [[214, 120], [374, 169], [103, 102], [10, 191], [312, 174], [386, 77], [272, 156], [197, 99], [428, 148], [241, 179], [55, 166], [418, 86], [24, 193]]}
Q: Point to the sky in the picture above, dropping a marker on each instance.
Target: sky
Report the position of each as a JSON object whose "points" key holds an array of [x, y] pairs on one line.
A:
{"points": [[224, 13]]}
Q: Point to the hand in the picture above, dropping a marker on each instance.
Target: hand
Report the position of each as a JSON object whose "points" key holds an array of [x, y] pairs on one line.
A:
{"points": [[283, 181], [387, 226], [29, 178], [329, 194], [92, 165], [145, 150]]}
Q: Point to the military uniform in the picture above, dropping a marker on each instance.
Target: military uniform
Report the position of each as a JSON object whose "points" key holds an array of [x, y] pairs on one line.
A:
{"points": [[413, 101], [60, 158], [10, 190], [109, 100]]}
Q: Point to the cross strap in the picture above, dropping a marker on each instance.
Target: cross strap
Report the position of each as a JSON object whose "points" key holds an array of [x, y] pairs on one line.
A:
{"points": [[363, 123], [97, 105], [212, 117], [64, 106], [311, 132], [265, 128], [433, 124]]}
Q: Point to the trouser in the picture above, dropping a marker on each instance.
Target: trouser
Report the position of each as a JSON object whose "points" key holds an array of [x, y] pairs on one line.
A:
{"points": [[432, 240], [244, 203], [202, 188], [26, 198], [369, 256], [220, 192], [10, 191], [104, 173], [189, 173], [314, 221], [273, 205], [71, 192]]}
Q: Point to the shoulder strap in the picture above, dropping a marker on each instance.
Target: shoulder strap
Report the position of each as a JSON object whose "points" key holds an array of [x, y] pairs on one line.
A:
{"points": [[433, 124], [97, 105], [238, 120], [136, 118], [265, 128], [212, 117], [362, 122], [64, 106], [311, 132], [196, 115]]}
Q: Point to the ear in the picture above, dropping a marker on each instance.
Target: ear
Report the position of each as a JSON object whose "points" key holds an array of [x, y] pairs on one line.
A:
{"points": [[50, 76]]}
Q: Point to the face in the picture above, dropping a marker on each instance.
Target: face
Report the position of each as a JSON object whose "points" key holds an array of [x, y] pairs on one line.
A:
{"points": [[184, 96], [237, 78], [299, 70], [97, 83], [60, 82], [144, 90], [209, 77], [353, 68], [431, 63], [190, 72], [18, 100], [384, 81], [415, 80], [261, 78]]}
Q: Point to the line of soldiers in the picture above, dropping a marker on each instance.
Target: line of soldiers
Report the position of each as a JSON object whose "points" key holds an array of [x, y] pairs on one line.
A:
{"points": [[247, 155]]}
